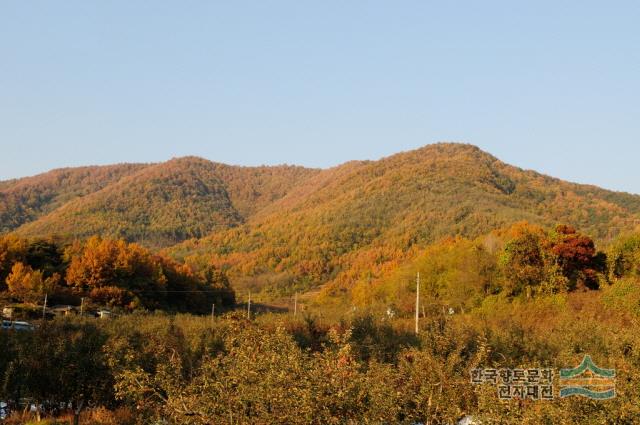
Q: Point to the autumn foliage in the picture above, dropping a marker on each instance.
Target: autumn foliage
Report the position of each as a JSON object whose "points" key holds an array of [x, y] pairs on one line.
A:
{"points": [[363, 218], [111, 273]]}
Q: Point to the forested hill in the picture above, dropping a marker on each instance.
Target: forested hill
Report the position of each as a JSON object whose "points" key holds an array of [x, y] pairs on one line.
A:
{"points": [[27, 199], [294, 217], [344, 221], [158, 204]]}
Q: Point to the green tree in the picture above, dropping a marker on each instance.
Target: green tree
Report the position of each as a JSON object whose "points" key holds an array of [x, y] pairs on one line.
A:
{"points": [[522, 263], [624, 256]]}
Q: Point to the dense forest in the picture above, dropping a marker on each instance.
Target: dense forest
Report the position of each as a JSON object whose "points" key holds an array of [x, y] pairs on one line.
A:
{"points": [[156, 205], [25, 200], [435, 191], [366, 217], [516, 270]]}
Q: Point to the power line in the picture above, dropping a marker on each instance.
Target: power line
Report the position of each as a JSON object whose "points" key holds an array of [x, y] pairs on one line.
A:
{"points": [[161, 291]]}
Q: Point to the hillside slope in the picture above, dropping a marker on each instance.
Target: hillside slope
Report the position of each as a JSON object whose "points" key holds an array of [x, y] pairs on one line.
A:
{"points": [[162, 204], [27, 199], [291, 228], [372, 213]]}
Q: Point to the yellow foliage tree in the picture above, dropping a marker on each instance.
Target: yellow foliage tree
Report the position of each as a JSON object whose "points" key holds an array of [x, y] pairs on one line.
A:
{"points": [[27, 284]]}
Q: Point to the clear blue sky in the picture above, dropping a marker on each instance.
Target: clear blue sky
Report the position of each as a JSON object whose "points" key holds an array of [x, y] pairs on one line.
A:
{"points": [[548, 85]]}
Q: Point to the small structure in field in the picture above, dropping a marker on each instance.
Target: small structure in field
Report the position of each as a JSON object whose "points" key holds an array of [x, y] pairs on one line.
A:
{"points": [[104, 314], [63, 310]]}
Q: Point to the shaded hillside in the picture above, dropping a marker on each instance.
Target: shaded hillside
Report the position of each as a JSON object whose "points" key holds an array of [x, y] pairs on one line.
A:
{"points": [[351, 219], [27, 199], [162, 204], [251, 189]]}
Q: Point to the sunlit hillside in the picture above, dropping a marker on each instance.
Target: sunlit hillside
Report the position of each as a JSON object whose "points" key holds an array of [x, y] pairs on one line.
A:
{"points": [[157, 205], [368, 216]]}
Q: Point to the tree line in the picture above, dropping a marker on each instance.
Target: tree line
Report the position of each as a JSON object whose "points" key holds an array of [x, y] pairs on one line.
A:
{"points": [[107, 272]]}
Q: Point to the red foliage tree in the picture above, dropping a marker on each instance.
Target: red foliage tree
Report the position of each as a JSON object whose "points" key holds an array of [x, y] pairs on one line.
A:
{"points": [[577, 256]]}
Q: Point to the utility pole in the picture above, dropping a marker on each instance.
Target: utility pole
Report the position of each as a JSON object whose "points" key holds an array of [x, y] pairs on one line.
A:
{"points": [[44, 307], [81, 306], [295, 304], [213, 312], [417, 303], [249, 307]]}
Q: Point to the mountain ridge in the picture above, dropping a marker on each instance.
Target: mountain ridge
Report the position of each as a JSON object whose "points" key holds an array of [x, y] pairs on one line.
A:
{"points": [[161, 203], [190, 197], [339, 223]]}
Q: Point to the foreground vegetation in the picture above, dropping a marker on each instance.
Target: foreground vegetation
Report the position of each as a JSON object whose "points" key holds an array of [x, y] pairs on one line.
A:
{"points": [[362, 368], [519, 297]]}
